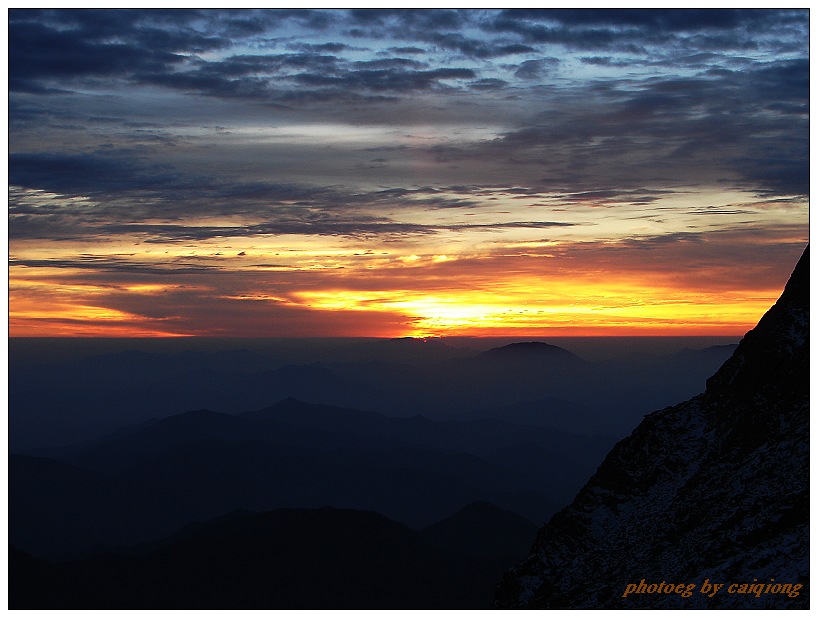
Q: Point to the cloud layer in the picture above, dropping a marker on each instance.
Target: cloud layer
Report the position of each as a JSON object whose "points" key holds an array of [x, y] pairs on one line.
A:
{"points": [[338, 146]]}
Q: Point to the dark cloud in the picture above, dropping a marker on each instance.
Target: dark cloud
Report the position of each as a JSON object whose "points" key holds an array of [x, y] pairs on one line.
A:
{"points": [[488, 84], [664, 20], [325, 97], [69, 44], [778, 171], [283, 77], [606, 61], [676, 20], [125, 188], [211, 85], [406, 50], [124, 204], [125, 264], [409, 19], [388, 63], [265, 65], [475, 48], [321, 48], [323, 225], [786, 80], [702, 129], [535, 69], [534, 225], [37, 52], [440, 28], [631, 30], [394, 80], [633, 196], [533, 32], [246, 77], [85, 174]]}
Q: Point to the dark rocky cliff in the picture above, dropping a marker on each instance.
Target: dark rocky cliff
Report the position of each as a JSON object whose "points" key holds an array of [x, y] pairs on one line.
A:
{"points": [[713, 490]]}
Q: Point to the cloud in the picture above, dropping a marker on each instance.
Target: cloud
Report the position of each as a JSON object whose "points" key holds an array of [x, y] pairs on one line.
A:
{"points": [[649, 24], [405, 50], [409, 19], [116, 264], [535, 69], [466, 132], [66, 45], [615, 196], [320, 48], [37, 52], [692, 130], [305, 76], [395, 80], [488, 84], [607, 61], [674, 20], [85, 173]]}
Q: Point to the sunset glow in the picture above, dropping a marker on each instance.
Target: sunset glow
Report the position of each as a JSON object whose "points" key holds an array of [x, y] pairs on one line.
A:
{"points": [[416, 173]]}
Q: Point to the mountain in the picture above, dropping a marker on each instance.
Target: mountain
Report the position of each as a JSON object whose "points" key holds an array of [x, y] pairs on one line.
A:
{"points": [[285, 559], [143, 482], [529, 351], [50, 501], [484, 532], [710, 491]]}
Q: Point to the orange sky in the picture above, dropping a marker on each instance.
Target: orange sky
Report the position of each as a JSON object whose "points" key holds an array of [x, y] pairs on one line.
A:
{"points": [[571, 288]]}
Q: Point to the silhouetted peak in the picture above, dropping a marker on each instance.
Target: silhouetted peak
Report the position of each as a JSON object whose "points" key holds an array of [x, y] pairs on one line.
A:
{"points": [[287, 406], [483, 530], [202, 414], [188, 424], [773, 351], [528, 350]]}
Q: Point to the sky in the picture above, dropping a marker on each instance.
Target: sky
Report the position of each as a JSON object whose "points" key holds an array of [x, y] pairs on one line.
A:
{"points": [[388, 173]]}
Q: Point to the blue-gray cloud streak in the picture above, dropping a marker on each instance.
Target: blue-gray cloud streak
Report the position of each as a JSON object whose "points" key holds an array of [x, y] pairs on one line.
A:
{"points": [[594, 105]]}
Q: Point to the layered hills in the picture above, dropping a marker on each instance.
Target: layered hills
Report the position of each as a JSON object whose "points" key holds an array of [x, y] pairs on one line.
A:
{"points": [[146, 480]]}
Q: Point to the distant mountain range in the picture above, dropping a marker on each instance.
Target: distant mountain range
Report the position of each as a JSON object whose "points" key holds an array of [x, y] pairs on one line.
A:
{"points": [[57, 403], [147, 480], [714, 490]]}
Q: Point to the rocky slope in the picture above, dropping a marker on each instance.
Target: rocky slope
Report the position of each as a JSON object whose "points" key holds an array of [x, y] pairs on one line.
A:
{"points": [[712, 491]]}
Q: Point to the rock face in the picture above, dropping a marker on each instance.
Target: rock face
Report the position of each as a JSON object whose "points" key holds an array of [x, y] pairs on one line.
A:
{"points": [[711, 491]]}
